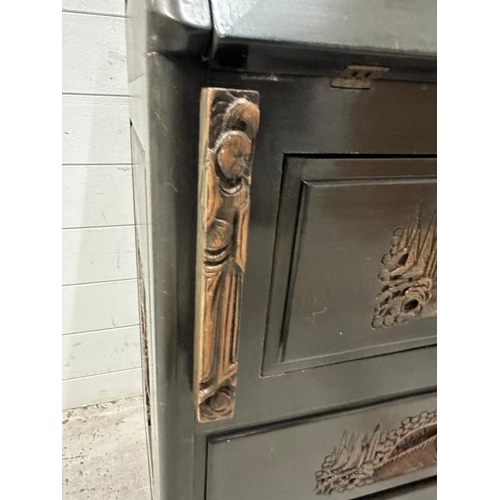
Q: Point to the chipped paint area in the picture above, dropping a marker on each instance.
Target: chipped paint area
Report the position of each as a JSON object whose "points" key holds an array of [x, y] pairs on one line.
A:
{"points": [[104, 452]]}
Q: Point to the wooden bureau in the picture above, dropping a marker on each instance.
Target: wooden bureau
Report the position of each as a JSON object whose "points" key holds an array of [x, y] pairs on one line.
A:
{"points": [[285, 196]]}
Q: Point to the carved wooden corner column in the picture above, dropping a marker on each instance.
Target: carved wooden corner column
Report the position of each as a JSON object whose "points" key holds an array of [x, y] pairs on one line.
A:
{"points": [[229, 121]]}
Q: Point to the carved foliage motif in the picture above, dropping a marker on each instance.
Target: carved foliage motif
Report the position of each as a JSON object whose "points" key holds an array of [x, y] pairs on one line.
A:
{"points": [[229, 124], [409, 276], [362, 459], [144, 336]]}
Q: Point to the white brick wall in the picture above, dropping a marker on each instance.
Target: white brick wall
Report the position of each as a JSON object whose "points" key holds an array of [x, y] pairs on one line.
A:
{"points": [[101, 352]]}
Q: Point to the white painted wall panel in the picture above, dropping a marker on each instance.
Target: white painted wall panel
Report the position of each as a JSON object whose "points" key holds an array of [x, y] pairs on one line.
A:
{"points": [[97, 196], [105, 351], [100, 254], [116, 7], [95, 130], [99, 306], [101, 344], [101, 388], [93, 54]]}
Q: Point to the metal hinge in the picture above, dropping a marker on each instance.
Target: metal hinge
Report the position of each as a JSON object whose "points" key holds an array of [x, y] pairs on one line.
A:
{"points": [[358, 77]]}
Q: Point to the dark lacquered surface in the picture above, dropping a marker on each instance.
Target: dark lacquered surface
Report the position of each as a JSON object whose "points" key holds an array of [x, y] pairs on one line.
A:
{"points": [[299, 116], [423, 490], [179, 26], [304, 116], [355, 24], [319, 36], [280, 462], [336, 221]]}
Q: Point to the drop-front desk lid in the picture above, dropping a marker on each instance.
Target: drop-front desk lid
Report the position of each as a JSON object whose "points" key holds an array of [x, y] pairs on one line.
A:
{"points": [[303, 37]]}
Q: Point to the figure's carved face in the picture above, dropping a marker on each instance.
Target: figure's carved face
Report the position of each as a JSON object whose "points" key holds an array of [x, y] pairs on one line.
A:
{"points": [[233, 154]]}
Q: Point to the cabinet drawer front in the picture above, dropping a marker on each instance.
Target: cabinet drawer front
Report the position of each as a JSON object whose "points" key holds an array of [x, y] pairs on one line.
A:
{"points": [[355, 262], [343, 456]]}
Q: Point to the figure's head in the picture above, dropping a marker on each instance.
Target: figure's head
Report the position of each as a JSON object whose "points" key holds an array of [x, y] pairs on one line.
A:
{"points": [[233, 154], [234, 148]]}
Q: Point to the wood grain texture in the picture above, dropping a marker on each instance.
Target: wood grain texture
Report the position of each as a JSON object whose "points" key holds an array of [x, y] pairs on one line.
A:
{"points": [[93, 54], [99, 306], [114, 7], [98, 254], [229, 124], [95, 130], [97, 196], [101, 388], [104, 351]]}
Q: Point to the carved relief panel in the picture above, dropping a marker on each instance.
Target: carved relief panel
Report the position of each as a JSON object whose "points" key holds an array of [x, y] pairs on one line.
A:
{"points": [[361, 459], [229, 124], [332, 300], [409, 275]]}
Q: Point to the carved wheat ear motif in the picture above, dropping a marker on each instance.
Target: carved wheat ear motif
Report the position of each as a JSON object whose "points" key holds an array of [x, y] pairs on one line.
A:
{"points": [[409, 275], [362, 459], [229, 125]]}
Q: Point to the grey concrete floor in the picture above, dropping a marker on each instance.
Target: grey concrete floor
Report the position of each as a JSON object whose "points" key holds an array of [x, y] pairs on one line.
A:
{"points": [[104, 452]]}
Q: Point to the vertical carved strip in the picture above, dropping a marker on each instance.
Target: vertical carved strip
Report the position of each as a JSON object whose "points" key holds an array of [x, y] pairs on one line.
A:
{"points": [[229, 124], [141, 289]]}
